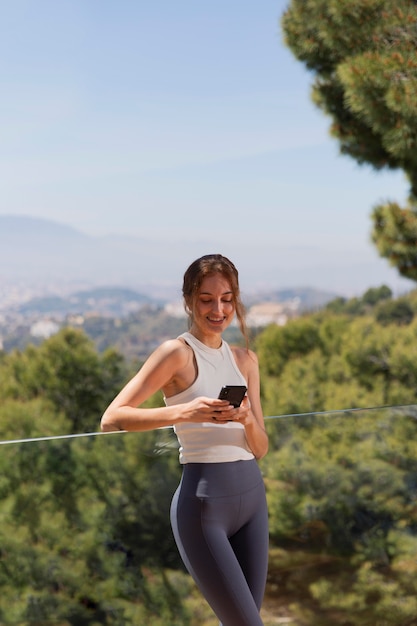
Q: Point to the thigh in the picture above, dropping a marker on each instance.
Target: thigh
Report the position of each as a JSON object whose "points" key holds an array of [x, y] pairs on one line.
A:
{"points": [[251, 542], [201, 527]]}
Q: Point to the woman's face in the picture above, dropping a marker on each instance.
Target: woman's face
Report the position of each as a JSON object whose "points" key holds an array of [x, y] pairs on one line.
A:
{"points": [[213, 307]]}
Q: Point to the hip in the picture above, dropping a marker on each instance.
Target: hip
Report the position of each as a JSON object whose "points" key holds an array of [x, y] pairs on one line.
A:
{"points": [[206, 480]]}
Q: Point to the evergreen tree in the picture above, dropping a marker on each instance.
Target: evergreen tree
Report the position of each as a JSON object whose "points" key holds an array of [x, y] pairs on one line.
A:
{"points": [[363, 56], [66, 371]]}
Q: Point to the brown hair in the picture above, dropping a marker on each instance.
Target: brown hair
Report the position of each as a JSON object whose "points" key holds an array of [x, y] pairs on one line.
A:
{"points": [[208, 265]]}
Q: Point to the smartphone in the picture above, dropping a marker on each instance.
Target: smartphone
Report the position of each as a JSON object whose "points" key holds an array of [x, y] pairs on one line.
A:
{"points": [[233, 393]]}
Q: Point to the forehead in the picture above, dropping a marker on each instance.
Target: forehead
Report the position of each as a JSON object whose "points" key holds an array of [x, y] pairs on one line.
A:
{"points": [[216, 283]]}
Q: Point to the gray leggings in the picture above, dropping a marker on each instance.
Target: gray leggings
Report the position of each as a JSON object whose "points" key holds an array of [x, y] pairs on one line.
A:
{"points": [[220, 523]]}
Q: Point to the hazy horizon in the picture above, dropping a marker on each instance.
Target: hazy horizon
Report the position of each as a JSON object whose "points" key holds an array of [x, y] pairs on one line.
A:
{"points": [[41, 250]]}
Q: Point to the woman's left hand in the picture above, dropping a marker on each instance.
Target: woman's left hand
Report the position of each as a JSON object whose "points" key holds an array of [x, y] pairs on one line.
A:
{"points": [[241, 414]]}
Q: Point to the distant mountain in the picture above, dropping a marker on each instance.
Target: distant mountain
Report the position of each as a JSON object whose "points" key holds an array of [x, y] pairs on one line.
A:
{"points": [[105, 301], [39, 252], [34, 229], [42, 251]]}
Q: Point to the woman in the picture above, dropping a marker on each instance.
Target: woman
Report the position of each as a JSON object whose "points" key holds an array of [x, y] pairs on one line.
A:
{"points": [[218, 513]]}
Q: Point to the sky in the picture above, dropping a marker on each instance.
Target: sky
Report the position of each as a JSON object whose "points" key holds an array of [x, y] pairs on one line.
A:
{"points": [[184, 121]]}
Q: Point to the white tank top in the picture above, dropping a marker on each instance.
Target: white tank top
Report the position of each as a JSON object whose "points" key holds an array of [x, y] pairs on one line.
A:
{"points": [[206, 442]]}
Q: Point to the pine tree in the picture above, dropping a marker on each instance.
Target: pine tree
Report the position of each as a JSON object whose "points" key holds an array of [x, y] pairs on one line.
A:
{"points": [[363, 55]]}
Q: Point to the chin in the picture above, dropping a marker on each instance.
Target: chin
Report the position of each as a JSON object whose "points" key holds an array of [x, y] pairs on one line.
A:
{"points": [[219, 329]]}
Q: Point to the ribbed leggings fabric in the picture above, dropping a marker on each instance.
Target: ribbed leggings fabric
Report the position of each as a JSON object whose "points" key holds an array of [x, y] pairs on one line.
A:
{"points": [[220, 523]]}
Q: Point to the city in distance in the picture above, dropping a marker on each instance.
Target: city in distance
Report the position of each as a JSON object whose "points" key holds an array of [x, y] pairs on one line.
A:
{"points": [[53, 275], [115, 288]]}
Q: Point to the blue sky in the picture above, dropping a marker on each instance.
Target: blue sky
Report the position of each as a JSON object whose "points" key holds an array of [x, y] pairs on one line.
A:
{"points": [[189, 121]]}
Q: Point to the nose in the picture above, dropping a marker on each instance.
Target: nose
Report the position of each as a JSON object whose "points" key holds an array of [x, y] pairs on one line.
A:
{"points": [[217, 306]]}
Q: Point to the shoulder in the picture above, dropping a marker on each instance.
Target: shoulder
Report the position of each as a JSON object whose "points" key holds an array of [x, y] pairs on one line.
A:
{"points": [[243, 354], [246, 360], [169, 358], [174, 350], [174, 362]]}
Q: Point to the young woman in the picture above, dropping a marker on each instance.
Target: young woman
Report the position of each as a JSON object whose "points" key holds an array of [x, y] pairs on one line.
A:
{"points": [[218, 513]]}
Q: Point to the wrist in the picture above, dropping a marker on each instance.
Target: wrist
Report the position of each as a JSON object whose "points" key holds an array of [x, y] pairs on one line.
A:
{"points": [[177, 415]]}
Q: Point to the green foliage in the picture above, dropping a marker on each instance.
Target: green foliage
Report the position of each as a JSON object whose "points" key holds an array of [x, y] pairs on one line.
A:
{"points": [[399, 312], [361, 305], [84, 523], [394, 233], [66, 371], [341, 360], [342, 487], [279, 343], [84, 532], [362, 54], [376, 294], [345, 487], [21, 419]]}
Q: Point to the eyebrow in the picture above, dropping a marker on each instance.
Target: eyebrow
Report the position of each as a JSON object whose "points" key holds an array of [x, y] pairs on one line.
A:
{"points": [[208, 293]]}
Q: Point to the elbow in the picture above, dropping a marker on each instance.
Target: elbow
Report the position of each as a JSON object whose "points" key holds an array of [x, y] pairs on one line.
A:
{"points": [[262, 453], [108, 423], [263, 450]]}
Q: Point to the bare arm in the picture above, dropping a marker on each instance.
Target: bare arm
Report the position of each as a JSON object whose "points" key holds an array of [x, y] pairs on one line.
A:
{"points": [[159, 371], [254, 424]]}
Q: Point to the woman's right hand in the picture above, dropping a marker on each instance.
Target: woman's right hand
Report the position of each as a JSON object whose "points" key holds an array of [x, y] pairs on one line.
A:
{"points": [[203, 409]]}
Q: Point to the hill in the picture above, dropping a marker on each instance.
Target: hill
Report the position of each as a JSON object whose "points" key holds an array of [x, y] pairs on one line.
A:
{"points": [[43, 257], [41, 252], [106, 301], [44, 254]]}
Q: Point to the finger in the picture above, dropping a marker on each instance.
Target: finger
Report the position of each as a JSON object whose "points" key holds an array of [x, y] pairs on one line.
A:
{"points": [[221, 416], [216, 402], [218, 417], [221, 412]]}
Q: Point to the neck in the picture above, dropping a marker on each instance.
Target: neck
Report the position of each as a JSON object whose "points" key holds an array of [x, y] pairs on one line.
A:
{"points": [[211, 341]]}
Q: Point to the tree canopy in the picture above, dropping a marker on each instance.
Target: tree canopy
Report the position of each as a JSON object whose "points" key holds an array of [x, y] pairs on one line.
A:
{"points": [[363, 56], [84, 522]]}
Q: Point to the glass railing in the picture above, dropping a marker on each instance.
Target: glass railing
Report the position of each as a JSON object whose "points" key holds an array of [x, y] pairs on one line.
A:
{"points": [[86, 540]]}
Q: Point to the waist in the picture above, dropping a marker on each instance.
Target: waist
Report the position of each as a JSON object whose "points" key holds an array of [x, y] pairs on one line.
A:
{"points": [[220, 479]]}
